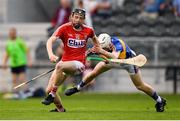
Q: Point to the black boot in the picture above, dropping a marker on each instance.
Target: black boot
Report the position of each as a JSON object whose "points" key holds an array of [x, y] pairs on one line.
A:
{"points": [[48, 100], [71, 91], [160, 106]]}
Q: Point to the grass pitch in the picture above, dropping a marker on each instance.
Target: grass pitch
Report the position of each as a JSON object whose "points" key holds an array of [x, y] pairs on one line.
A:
{"points": [[92, 107]]}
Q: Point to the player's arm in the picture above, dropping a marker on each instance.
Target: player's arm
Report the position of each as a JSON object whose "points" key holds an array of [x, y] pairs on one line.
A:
{"points": [[107, 54], [57, 34], [95, 41], [96, 47], [51, 40], [5, 59]]}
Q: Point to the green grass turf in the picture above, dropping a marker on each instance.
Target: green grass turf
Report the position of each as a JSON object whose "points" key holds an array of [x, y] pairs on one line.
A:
{"points": [[92, 106]]}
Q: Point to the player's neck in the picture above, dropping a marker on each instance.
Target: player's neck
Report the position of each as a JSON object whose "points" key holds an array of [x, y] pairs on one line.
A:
{"points": [[13, 38]]}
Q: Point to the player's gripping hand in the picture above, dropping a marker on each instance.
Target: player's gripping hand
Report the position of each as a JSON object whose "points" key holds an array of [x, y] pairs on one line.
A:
{"points": [[53, 58], [96, 49], [89, 52]]}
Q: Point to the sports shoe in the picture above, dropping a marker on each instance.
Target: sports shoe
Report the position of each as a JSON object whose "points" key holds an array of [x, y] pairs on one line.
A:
{"points": [[71, 91], [160, 106], [56, 110], [48, 100]]}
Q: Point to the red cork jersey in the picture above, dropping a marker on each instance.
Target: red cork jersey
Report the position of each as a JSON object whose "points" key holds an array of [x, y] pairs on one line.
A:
{"points": [[74, 41]]}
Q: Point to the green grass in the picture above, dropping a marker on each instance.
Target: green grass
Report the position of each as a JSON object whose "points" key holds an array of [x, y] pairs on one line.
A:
{"points": [[93, 107]]}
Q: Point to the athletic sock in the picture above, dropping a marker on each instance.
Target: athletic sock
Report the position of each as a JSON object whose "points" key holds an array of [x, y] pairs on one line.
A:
{"points": [[156, 97], [53, 91], [81, 85]]}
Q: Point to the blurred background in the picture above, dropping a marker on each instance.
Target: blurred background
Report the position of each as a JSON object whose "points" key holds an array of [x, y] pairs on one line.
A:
{"points": [[150, 27]]}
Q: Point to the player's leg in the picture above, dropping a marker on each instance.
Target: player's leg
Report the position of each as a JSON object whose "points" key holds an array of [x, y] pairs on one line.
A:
{"points": [[146, 88], [14, 81], [57, 99], [100, 68], [68, 67], [22, 79]]}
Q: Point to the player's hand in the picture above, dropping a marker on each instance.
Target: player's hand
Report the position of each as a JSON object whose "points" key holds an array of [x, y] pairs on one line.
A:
{"points": [[106, 60], [90, 52], [53, 58], [95, 49], [29, 63]]}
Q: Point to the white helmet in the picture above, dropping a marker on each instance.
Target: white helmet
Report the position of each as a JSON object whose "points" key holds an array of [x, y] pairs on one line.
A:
{"points": [[104, 40]]}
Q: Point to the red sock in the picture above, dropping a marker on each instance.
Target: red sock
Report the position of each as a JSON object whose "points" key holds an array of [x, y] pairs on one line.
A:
{"points": [[53, 91]]}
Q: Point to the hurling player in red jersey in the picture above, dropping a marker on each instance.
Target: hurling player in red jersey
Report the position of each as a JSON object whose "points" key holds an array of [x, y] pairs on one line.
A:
{"points": [[74, 36]]}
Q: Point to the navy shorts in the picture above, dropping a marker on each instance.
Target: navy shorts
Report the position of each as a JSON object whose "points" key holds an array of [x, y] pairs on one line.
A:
{"points": [[19, 69]]}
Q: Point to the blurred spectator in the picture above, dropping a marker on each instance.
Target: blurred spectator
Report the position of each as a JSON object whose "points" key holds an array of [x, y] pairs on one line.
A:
{"points": [[117, 3], [97, 7], [82, 4], [176, 7], [151, 8], [61, 16], [16, 52], [102, 8], [166, 7]]}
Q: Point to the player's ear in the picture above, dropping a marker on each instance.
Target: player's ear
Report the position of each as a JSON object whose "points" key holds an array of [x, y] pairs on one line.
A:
{"points": [[70, 17]]}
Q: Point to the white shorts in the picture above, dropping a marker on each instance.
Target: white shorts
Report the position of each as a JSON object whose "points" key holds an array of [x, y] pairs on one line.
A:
{"points": [[80, 67]]}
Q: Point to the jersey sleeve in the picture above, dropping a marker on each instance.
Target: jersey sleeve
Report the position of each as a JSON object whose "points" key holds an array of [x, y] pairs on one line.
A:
{"points": [[59, 32]]}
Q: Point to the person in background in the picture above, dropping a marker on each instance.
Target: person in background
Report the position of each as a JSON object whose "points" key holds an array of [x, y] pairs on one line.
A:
{"points": [[82, 4], [176, 7], [19, 57], [151, 9], [61, 16]]}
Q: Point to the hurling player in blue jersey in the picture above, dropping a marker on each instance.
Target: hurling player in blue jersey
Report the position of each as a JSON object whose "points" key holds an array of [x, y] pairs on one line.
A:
{"points": [[114, 47]]}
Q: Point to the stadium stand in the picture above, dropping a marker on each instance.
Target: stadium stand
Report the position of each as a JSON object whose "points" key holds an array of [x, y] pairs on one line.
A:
{"points": [[121, 17]]}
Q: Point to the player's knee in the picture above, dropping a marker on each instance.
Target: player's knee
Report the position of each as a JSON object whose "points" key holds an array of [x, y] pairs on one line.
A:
{"points": [[59, 67]]}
